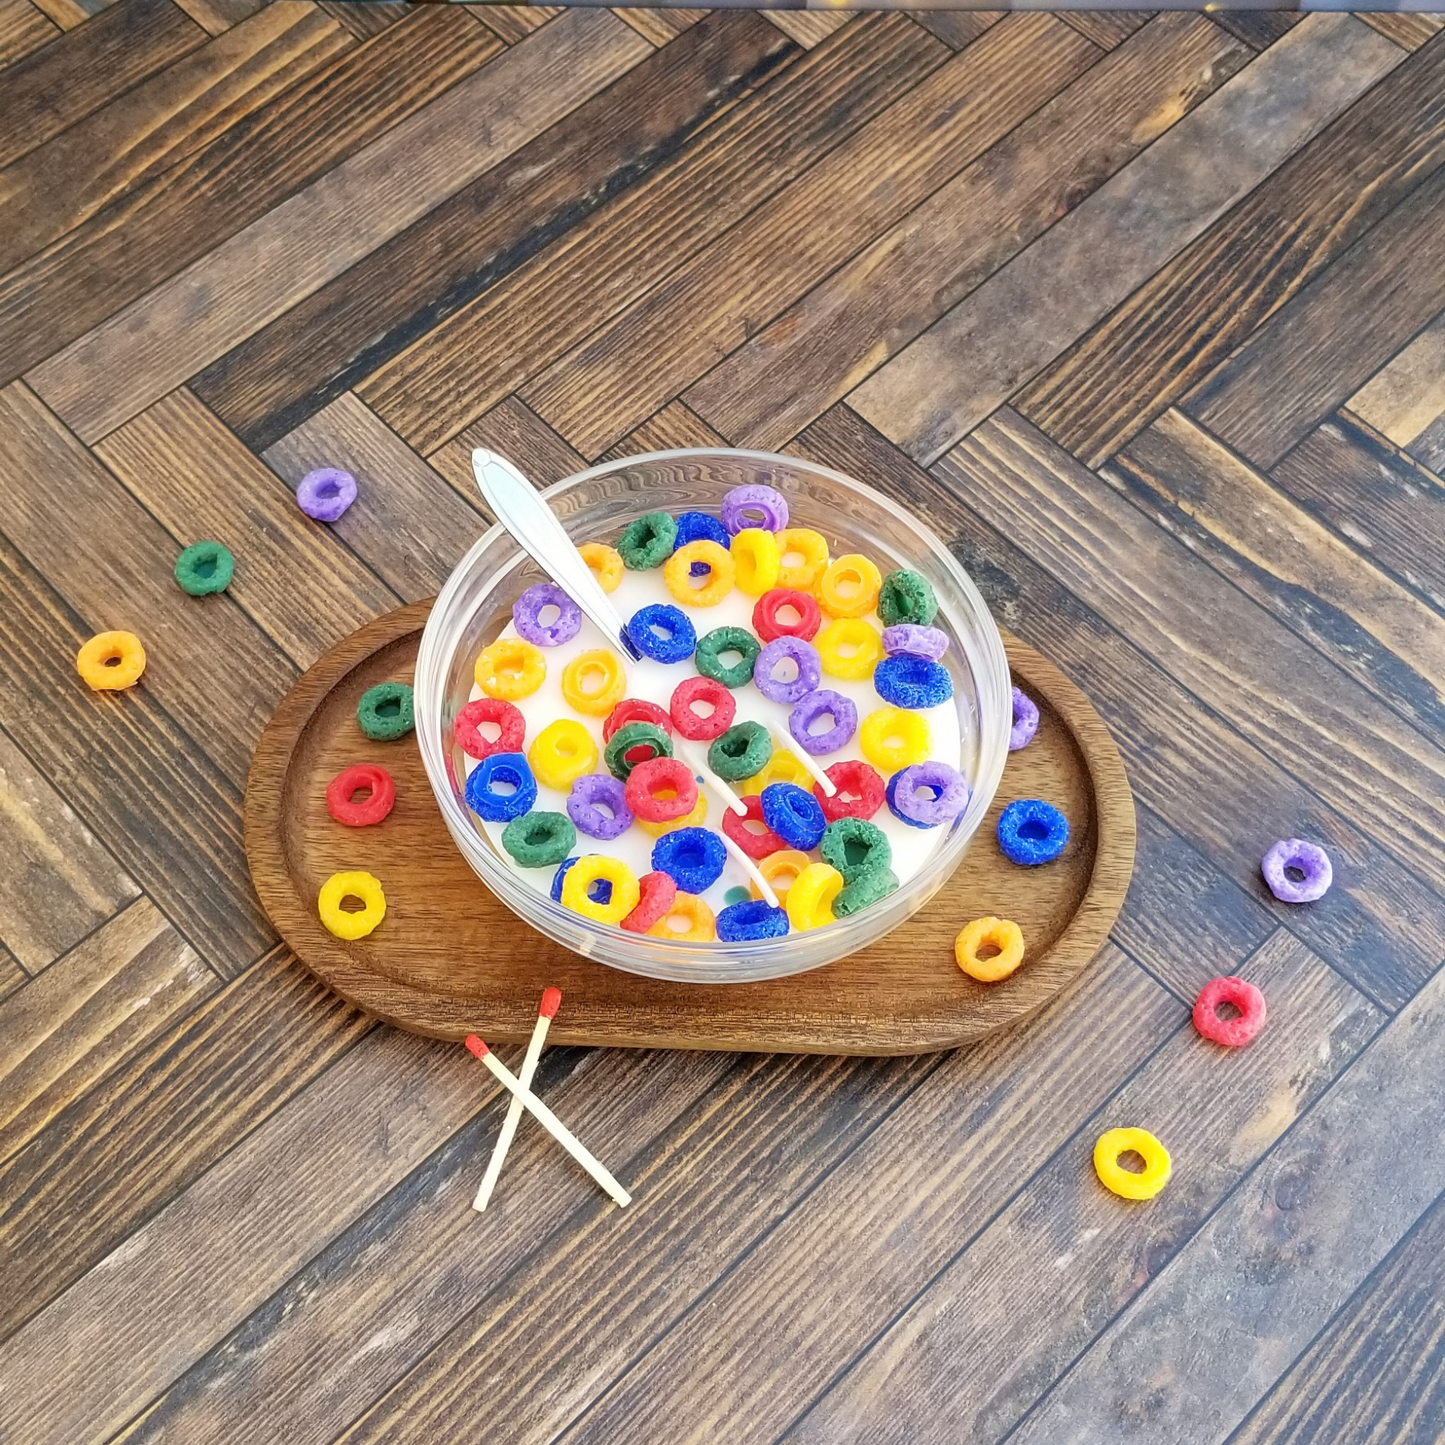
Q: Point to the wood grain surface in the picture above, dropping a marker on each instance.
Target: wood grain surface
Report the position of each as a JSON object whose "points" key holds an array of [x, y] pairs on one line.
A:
{"points": [[1143, 314]]}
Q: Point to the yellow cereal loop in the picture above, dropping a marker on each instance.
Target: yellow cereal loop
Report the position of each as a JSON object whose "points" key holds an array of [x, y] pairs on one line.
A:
{"points": [[605, 562], [998, 933], [585, 872], [782, 767], [593, 682], [781, 869], [677, 573], [756, 561], [510, 669], [849, 648], [111, 661], [850, 586], [561, 753], [893, 738], [811, 548], [694, 819], [810, 899], [337, 889], [1124, 1182], [689, 920]]}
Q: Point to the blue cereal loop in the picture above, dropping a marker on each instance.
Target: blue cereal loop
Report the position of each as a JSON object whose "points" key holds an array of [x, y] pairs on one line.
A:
{"points": [[912, 682], [693, 858], [1031, 832], [491, 806], [699, 527], [663, 633], [794, 815], [744, 922], [600, 891]]}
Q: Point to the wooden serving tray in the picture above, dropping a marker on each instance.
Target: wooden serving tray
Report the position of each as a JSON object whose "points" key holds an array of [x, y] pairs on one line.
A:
{"points": [[450, 959]]}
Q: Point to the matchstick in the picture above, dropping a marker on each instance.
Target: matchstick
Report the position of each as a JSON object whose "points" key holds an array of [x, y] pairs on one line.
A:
{"points": [[546, 1012], [549, 1121]]}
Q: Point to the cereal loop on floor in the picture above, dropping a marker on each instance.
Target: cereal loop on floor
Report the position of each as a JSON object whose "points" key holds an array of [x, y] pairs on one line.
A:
{"points": [[1124, 1182], [997, 933], [385, 712], [1296, 855], [325, 494], [375, 782], [605, 563], [718, 567], [111, 661], [849, 588], [204, 568], [894, 738], [577, 888], [510, 669], [561, 753], [1232, 1033], [593, 682], [360, 886], [810, 900]]}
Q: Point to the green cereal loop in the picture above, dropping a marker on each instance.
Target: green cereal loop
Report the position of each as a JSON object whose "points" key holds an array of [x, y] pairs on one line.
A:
{"points": [[384, 712], [864, 891], [539, 840], [854, 847], [203, 568], [708, 657], [906, 597], [744, 749], [647, 542], [629, 736]]}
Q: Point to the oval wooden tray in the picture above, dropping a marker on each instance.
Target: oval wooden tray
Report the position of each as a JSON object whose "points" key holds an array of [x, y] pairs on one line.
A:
{"points": [[450, 959]]}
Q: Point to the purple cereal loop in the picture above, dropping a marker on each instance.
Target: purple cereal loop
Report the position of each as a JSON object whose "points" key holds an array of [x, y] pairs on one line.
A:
{"points": [[1309, 858], [754, 498], [810, 670], [582, 801], [914, 641], [326, 493], [1025, 721], [950, 793], [527, 611], [806, 712]]}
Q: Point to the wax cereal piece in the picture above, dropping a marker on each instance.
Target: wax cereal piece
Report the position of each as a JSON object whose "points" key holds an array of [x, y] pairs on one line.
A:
{"points": [[501, 788], [912, 682], [380, 791], [657, 893], [823, 705], [784, 655], [1031, 831], [927, 794], [385, 712], [810, 899], [716, 564], [694, 819], [860, 792], [1124, 1182], [605, 563], [786, 612], [648, 542], [539, 839], [527, 613], [634, 709], [718, 643], [906, 597], [1235, 1032], [661, 791], [1309, 860], [696, 918], [864, 891], [749, 831], [695, 857], [577, 888], [736, 894], [811, 550], [1025, 720], [905, 638], [510, 669], [781, 870], [754, 507], [744, 749], [793, 814], [849, 648], [699, 527], [893, 738], [634, 743], [593, 682], [746, 922], [855, 847], [204, 568], [996, 933], [337, 889], [702, 692], [597, 806], [755, 561], [562, 752], [111, 661], [510, 724], [849, 588], [662, 633], [560, 877], [326, 493], [782, 767]]}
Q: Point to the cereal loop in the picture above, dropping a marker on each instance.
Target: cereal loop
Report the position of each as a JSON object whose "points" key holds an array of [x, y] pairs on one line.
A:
{"points": [[661, 791], [561, 753], [721, 574], [810, 900], [585, 872], [111, 661], [1232, 1033], [602, 670], [812, 550], [658, 894], [694, 819], [849, 588], [539, 839], [380, 792], [893, 738], [510, 669], [781, 869], [204, 568], [605, 562], [782, 767], [1124, 1182], [849, 648], [755, 561], [716, 645], [860, 791], [750, 833], [769, 621], [997, 933], [510, 724], [634, 709], [696, 918], [702, 727], [647, 542], [336, 890], [386, 712], [751, 919]]}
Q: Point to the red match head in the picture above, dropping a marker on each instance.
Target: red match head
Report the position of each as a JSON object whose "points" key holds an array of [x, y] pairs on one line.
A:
{"points": [[551, 1002], [477, 1046]]}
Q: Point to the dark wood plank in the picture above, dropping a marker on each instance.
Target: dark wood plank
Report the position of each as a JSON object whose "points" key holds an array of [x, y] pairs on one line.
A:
{"points": [[1408, 30], [23, 28], [674, 427], [1258, 28], [56, 881], [158, 124], [376, 308], [157, 1121], [807, 27], [1106, 28], [217, 16], [368, 17], [957, 28], [659, 26], [468, 363], [1192, 313], [511, 23], [875, 304], [1000, 337], [519, 434], [12, 976], [69, 13], [1406, 397], [60, 84], [630, 367], [145, 235]]}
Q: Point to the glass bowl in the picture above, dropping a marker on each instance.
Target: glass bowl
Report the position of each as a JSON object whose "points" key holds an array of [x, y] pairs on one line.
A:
{"points": [[476, 604]]}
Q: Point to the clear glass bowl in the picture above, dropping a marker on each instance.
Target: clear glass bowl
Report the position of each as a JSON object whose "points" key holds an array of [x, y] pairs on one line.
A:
{"points": [[476, 604]]}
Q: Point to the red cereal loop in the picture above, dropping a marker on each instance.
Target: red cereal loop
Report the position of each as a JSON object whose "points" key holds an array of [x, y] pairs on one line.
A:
{"points": [[658, 892], [467, 728], [694, 726], [1232, 1033], [633, 709], [371, 809], [863, 783], [754, 844], [661, 775], [765, 615]]}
